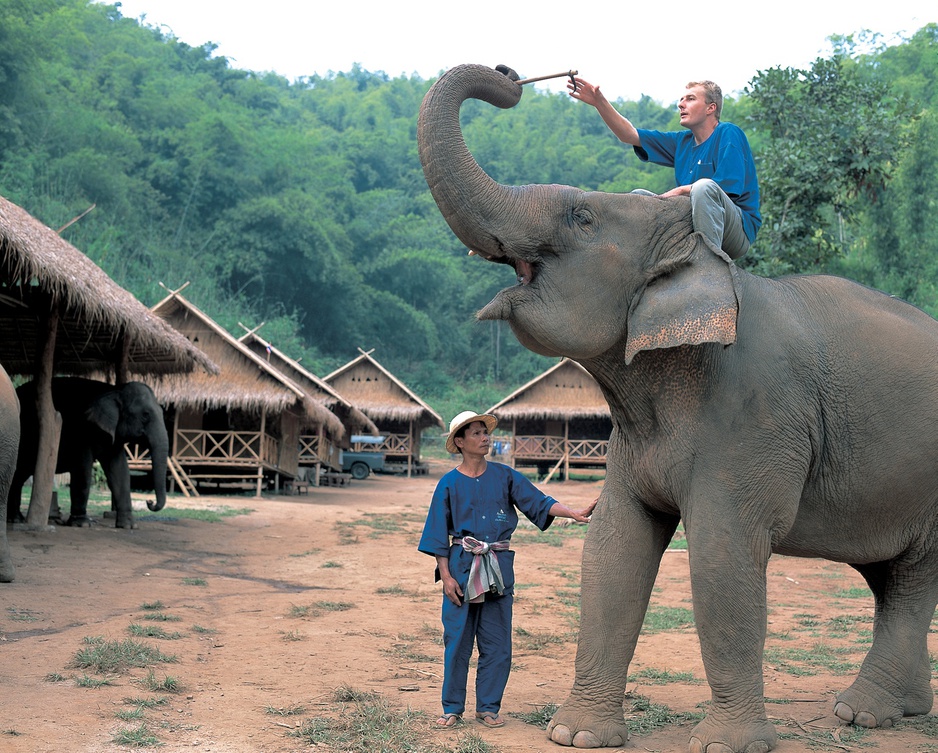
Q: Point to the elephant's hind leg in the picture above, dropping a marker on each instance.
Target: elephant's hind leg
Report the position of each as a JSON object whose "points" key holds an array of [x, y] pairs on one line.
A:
{"points": [[895, 679]]}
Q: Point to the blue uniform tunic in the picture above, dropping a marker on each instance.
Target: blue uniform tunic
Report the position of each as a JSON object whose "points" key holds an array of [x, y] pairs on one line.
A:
{"points": [[486, 509], [725, 158]]}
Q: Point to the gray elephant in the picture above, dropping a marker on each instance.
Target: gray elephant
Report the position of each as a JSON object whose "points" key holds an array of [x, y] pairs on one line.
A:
{"points": [[9, 444], [796, 416], [97, 420]]}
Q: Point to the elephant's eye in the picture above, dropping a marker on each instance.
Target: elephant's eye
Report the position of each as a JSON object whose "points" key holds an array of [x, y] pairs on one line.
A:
{"points": [[581, 216]]}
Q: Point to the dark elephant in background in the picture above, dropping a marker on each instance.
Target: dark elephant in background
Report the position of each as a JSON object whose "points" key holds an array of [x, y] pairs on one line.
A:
{"points": [[97, 420], [9, 444], [797, 416]]}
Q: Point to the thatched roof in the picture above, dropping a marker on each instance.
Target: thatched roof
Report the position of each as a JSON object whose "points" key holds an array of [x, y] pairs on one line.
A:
{"points": [[97, 316], [381, 395], [356, 421], [244, 381], [564, 391]]}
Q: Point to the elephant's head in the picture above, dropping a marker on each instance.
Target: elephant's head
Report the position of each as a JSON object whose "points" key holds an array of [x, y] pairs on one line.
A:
{"points": [[131, 413], [596, 272]]}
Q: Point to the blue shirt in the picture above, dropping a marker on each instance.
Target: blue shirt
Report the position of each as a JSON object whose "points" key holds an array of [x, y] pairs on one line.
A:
{"points": [[484, 508], [725, 158]]}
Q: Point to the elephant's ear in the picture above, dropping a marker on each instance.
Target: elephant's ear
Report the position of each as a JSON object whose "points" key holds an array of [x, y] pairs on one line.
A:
{"points": [[692, 304], [104, 413]]}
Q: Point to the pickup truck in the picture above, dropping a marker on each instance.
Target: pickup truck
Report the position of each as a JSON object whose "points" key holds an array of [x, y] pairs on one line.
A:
{"points": [[360, 464]]}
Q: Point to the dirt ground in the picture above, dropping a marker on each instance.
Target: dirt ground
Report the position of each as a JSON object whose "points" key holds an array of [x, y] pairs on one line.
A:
{"points": [[270, 612]]}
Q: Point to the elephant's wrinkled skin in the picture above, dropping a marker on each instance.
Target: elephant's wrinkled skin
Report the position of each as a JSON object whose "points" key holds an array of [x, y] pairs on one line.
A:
{"points": [[797, 416], [9, 443], [98, 419]]}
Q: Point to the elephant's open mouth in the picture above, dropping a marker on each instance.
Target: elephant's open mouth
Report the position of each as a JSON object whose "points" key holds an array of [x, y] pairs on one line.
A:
{"points": [[524, 271]]}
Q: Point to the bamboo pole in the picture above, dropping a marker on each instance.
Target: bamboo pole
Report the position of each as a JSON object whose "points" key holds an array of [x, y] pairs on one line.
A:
{"points": [[49, 424]]}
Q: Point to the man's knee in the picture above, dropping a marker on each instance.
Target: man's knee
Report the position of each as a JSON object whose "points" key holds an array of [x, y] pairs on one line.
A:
{"points": [[707, 190]]}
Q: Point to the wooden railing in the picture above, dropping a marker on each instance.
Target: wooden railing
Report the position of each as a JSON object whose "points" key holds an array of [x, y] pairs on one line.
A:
{"points": [[533, 447], [537, 447], [226, 447], [317, 449], [138, 458], [393, 444], [587, 450]]}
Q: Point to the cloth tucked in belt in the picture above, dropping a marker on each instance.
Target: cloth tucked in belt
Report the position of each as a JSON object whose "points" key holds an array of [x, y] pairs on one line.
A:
{"points": [[485, 576]]}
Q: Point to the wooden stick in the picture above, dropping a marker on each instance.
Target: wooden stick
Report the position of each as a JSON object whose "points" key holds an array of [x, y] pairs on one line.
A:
{"points": [[544, 78]]}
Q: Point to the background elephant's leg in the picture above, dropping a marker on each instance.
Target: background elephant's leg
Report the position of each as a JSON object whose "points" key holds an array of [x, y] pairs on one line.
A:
{"points": [[14, 513], [9, 445], [80, 478], [895, 679], [728, 561], [620, 562], [117, 472]]}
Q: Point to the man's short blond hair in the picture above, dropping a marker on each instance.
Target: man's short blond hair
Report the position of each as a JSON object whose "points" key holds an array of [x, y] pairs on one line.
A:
{"points": [[713, 94]]}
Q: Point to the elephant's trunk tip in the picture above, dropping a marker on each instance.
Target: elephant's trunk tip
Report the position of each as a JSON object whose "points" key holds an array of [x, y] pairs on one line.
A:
{"points": [[156, 505]]}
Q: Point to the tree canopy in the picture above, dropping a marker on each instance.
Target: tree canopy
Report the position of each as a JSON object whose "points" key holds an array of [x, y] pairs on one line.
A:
{"points": [[303, 204]]}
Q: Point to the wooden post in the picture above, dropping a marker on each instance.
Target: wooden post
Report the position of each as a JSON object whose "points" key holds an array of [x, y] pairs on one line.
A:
{"points": [[514, 440], [320, 449], [122, 367], [411, 447], [49, 424], [175, 439], [566, 449], [260, 467]]}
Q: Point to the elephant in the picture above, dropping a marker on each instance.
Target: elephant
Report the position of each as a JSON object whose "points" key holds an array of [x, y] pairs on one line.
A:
{"points": [[796, 416], [97, 420], [9, 446]]}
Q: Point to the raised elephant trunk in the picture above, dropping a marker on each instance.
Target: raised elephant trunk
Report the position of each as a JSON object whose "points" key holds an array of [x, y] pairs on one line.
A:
{"points": [[483, 214]]}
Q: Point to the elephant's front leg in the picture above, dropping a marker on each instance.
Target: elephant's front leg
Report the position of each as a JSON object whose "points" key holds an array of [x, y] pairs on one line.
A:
{"points": [[79, 487], [620, 562], [728, 562], [117, 471]]}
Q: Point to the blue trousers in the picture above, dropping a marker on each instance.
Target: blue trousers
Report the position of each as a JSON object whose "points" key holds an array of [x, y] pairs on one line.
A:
{"points": [[487, 624]]}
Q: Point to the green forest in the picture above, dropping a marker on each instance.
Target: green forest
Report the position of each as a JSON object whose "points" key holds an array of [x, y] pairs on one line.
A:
{"points": [[302, 204]]}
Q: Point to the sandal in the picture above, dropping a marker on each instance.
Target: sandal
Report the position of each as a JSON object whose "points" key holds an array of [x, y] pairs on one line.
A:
{"points": [[449, 720], [490, 719]]}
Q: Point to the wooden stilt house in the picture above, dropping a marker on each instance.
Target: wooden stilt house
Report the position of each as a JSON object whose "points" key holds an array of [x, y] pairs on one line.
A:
{"points": [[319, 451], [60, 314], [238, 427], [400, 415], [558, 421]]}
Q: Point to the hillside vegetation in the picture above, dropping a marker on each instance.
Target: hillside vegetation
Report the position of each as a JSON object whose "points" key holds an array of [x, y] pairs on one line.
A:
{"points": [[302, 204]]}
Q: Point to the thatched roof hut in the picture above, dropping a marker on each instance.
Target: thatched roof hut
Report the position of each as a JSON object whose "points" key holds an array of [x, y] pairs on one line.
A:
{"points": [[380, 394], [245, 380], [355, 421], [61, 314], [565, 391], [101, 327], [558, 418], [398, 412]]}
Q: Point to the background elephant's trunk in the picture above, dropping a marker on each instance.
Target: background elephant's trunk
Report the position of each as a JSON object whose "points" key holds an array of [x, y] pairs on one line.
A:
{"points": [[159, 485], [159, 451], [483, 214]]}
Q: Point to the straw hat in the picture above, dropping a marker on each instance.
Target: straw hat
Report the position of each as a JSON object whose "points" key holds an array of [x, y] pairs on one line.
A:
{"points": [[467, 417]]}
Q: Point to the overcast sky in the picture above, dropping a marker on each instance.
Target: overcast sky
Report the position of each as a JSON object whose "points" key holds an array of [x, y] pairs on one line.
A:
{"points": [[629, 49]]}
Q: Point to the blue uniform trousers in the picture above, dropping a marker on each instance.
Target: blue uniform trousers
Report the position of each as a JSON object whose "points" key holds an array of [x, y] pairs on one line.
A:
{"points": [[487, 624]]}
